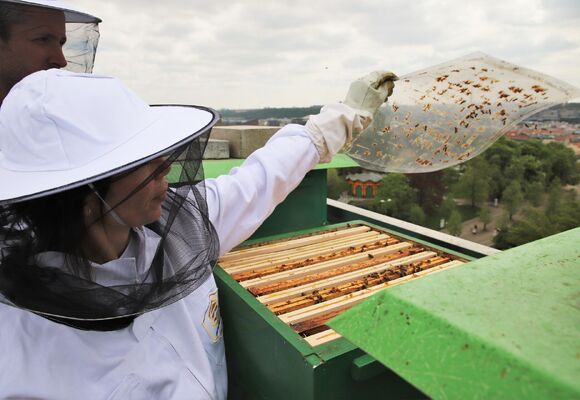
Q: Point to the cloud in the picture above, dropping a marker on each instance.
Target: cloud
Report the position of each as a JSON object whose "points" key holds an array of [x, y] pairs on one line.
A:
{"points": [[255, 54]]}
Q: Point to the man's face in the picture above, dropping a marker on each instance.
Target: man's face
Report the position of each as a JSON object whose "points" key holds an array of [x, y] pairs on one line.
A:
{"points": [[35, 44]]}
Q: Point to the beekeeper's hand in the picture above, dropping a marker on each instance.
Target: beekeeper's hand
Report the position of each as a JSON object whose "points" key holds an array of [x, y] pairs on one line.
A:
{"points": [[338, 123]]}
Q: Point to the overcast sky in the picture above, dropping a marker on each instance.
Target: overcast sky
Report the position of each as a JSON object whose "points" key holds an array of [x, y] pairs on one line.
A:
{"points": [[250, 54]]}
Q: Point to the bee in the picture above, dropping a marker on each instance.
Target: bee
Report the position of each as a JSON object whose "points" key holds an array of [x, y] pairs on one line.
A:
{"points": [[463, 156], [538, 89]]}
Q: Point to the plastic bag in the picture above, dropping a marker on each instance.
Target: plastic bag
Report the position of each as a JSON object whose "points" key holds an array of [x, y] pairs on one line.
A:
{"points": [[447, 114]]}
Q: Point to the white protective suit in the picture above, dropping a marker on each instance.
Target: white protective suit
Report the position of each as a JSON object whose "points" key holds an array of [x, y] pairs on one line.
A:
{"points": [[176, 352]]}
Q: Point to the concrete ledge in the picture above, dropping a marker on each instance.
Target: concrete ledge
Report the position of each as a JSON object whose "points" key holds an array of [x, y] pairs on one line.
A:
{"points": [[243, 139], [217, 150]]}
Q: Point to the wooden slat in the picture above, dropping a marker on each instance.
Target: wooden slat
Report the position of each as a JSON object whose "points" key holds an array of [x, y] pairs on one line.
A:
{"points": [[269, 270], [291, 283], [344, 302], [267, 248], [392, 273], [329, 334], [296, 291], [302, 253], [323, 266], [328, 245], [340, 241], [322, 337]]}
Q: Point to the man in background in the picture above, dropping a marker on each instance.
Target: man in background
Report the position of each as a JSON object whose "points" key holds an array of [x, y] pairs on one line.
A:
{"points": [[42, 34]]}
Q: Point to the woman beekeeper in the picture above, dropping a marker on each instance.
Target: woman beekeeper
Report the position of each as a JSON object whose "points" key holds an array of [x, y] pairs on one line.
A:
{"points": [[105, 273]]}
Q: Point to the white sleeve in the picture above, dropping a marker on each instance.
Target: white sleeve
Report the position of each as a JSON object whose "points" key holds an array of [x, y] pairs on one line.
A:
{"points": [[239, 202]]}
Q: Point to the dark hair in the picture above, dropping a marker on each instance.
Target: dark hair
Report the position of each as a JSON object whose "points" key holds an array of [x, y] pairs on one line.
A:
{"points": [[57, 223], [10, 14]]}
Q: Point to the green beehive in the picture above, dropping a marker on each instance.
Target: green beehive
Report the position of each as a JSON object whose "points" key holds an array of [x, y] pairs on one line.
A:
{"points": [[268, 359]]}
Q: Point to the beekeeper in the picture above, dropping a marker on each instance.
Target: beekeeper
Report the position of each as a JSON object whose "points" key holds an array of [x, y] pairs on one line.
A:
{"points": [[106, 286], [41, 34]]}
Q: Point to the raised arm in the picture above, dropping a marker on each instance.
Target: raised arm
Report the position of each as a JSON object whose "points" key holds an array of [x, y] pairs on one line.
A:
{"points": [[240, 201]]}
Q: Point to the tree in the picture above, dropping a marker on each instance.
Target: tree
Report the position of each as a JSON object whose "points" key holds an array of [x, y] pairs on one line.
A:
{"points": [[417, 215], [534, 192], [447, 207], [430, 188], [454, 223], [515, 170], [474, 183], [502, 152], [561, 163], [536, 223], [335, 184], [397, 195], [554, 197], [497, 181], [512, 197], [485, 217]]}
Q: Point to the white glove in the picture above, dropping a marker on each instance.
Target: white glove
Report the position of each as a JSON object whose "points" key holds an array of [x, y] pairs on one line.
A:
{"points": [[338, 123], [370, 91]]}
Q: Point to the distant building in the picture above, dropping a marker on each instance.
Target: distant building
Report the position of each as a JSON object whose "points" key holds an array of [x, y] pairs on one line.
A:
{"points": [[566, 112], [274, 121], [364, 185]]}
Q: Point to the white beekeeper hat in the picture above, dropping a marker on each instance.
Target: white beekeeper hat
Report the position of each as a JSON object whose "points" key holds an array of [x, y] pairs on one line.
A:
{"points": [[71, 14], [53, 139]]}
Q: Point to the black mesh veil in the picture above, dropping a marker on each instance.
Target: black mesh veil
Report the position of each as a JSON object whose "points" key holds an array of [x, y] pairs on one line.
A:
{"points": [[81, 46], [43, 262], [82, 30]]}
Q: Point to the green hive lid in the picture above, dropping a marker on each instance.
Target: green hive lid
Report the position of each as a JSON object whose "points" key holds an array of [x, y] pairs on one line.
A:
{"points": [[504, 326]]}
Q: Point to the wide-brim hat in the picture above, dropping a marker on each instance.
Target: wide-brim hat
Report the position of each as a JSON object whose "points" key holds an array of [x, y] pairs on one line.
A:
{"points": [[71, 14], [60, 130]]}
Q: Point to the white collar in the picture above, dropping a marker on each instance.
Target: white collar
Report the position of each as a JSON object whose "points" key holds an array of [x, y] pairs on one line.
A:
{"points": [[131, 267]]}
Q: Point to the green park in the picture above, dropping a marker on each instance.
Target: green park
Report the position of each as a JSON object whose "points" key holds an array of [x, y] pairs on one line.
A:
{"points": [[513, 193]]}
